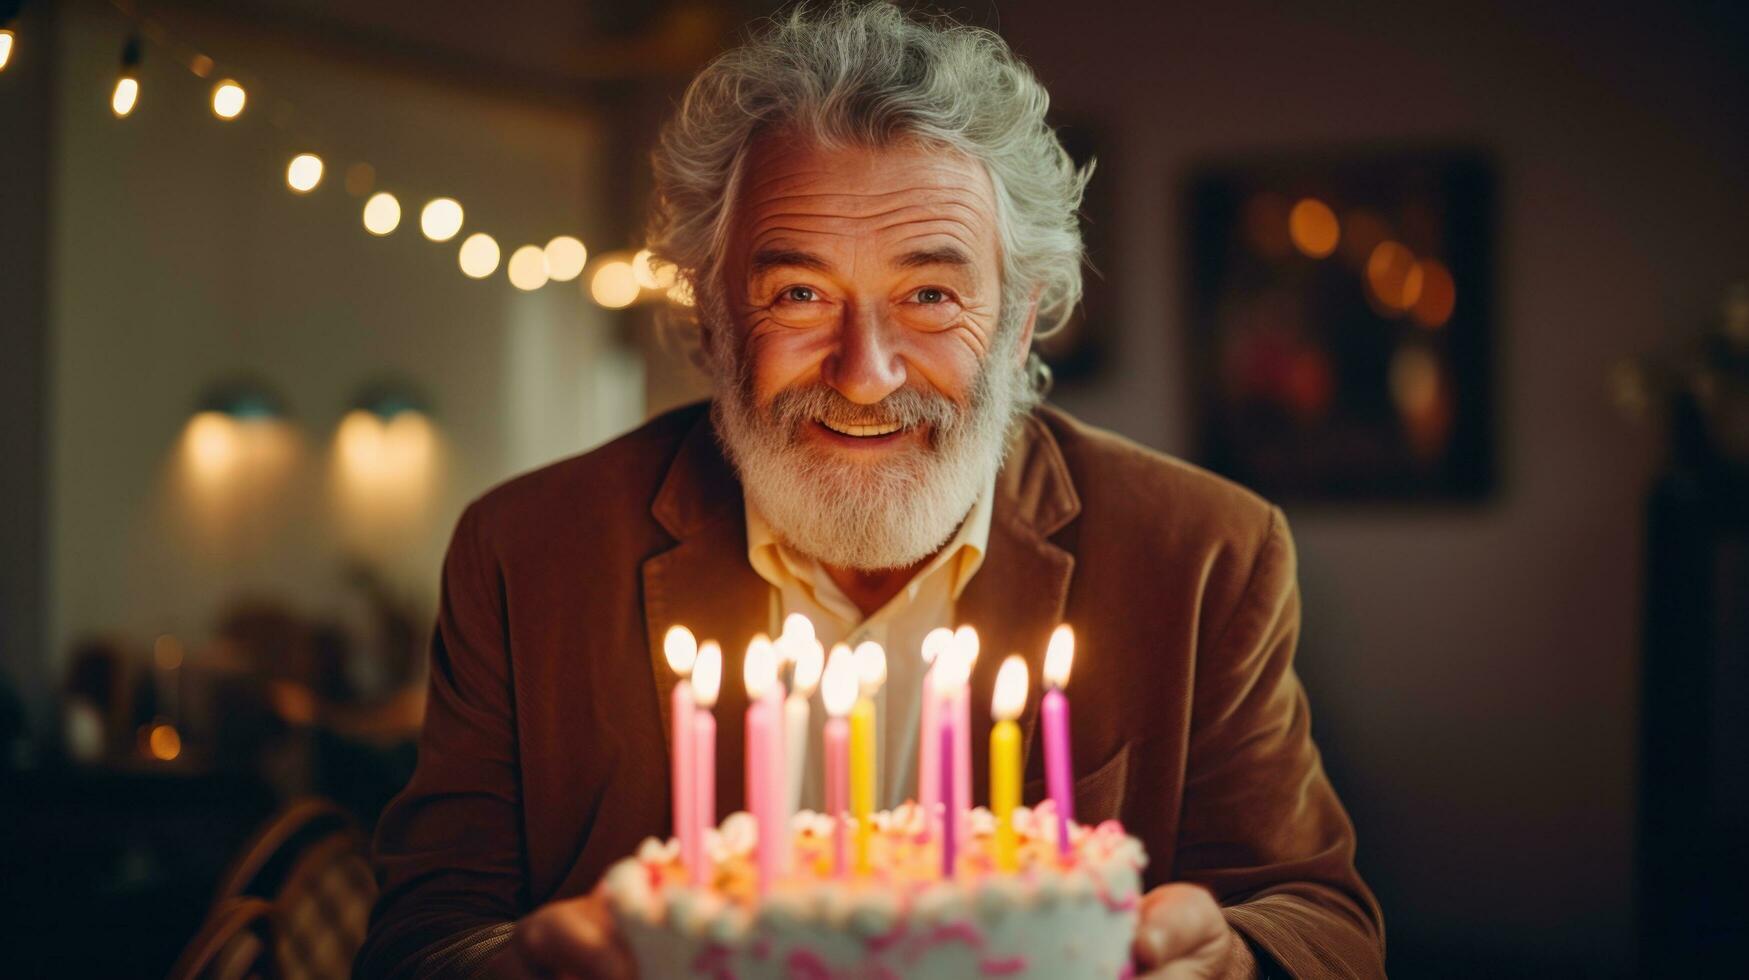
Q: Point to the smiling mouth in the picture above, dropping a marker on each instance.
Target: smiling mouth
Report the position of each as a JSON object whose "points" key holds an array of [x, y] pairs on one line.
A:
{"points": [[863, 431]]}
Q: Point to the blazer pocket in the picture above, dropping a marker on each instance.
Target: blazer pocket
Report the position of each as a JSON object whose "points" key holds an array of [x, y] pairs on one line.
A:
{"points": [[1099, 795]]}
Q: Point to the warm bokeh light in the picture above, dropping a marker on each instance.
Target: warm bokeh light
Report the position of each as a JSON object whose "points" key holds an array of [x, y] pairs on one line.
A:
{"points": [[125, 96], [707, 674], [385, 474], [965, 642], [1423, 398], [680, 648], [1312, 226], [167, 652], [164, 743], [6, 38], [566, 257], [304, 172], [382, 213], [614, 284], [759, 667], [681, 294], [838, 688], [441, 219], [228, 99], [1059, 656], [810, 662], [1393, 276], [528, 267], [936, 642], [211, 441], [871, 666], [1438, 295], [652, 273], [1010, 696], [478, 255], [201, 66]]}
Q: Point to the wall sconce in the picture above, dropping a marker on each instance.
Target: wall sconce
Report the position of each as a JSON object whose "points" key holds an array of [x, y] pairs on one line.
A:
{"points": [[214, 439]]}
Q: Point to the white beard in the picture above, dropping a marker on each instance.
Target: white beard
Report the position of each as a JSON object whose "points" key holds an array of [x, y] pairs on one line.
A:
{"points": [[868, 516]]}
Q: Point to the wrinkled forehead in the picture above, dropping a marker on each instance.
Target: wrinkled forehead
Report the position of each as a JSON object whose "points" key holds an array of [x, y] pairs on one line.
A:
{"points": [[796, 186]]}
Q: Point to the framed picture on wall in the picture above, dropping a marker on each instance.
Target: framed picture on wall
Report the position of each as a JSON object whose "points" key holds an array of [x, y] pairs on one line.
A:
{"points": [[1340, 324]]}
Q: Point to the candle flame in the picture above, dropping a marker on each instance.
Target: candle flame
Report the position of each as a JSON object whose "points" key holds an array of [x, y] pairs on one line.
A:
{"points": [[935, 642], [966, 640], [871, 666], [797, 629], [681, 649], [759, 668], [838, 686], [1010, 689], [707, 674], [1059, 656], [810, 661], [952, 671]]}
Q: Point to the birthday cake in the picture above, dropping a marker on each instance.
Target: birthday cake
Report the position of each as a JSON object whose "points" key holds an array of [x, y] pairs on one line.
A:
{"points": [[1053, 913]]}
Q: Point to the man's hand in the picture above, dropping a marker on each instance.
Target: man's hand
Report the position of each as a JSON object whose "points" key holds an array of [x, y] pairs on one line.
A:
{"points": [[572, 939], [1182, 935]]}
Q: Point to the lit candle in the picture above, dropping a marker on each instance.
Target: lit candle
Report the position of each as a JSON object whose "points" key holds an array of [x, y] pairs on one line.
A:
{"points": [[707, 679], [810, 660], [681, 649], [759, 674], [776, 750], [949, 676], [966, 640], [871, 672], [838, 690], [1005, 706], [1059, 779], [929, 796]]}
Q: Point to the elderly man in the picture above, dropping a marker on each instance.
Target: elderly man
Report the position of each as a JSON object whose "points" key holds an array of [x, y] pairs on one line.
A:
{"points": [[876, 222]]}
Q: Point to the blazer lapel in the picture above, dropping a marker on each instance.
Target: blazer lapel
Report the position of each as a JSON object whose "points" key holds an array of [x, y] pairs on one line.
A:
{"points": [[704, 583], [1022, 588]]}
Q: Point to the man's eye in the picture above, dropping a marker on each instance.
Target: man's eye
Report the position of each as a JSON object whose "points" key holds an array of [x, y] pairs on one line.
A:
{"points": [[929, 295], [799, 294]]}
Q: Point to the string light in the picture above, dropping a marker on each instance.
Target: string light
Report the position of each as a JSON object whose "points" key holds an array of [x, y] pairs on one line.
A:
{"points": [[304, 172], [382, 213], [565, 258], [478, 256], [614, 285], [6, 38], [228, 99], [528, 267], [441, 219], [127, 81]]}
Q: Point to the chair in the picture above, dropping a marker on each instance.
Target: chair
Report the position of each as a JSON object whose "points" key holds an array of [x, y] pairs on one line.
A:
{"points": [[323, 909], [236, 943], [261, 867]]}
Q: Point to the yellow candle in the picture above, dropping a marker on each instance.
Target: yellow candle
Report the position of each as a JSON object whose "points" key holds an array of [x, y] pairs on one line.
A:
{"points": [[862, 725], [1005, 757], [871, 672]]}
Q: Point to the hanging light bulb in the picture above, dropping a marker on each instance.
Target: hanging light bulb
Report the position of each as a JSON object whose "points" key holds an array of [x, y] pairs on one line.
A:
{"points": [[478, 255], [5, 46], [382, 213], [228, 99], [127, 81], [304, 172]]}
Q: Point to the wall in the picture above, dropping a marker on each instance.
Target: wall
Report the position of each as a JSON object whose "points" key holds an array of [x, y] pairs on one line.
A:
{"points": [[180, 259], [1473, 671]]}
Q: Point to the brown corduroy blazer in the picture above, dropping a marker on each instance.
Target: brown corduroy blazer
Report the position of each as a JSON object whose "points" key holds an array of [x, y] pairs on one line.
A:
{"points": [[544, 758]]}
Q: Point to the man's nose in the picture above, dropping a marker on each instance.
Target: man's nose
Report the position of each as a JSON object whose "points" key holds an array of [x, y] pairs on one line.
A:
{"points": [[865, 367]]}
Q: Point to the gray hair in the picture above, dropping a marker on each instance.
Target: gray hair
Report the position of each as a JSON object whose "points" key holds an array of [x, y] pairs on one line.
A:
{"points": [[870, 75]]}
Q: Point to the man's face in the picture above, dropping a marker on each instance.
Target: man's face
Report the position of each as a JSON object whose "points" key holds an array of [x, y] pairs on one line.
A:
{"points": [[865, 354]]}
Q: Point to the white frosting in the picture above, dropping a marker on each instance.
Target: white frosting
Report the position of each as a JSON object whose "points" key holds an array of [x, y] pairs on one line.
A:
{"points": [[1051, 920]]}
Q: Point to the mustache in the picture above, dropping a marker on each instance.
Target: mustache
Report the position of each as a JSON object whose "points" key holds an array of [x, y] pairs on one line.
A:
{"points": [[908, 407]]}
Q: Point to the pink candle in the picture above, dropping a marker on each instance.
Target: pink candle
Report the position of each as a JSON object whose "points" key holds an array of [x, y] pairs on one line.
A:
{"points": [[760, 675], [1059, 774], [950, 814], [838, 791], [929, 724], [707, 680], [681, 650], [966, 642], [779, 784]]}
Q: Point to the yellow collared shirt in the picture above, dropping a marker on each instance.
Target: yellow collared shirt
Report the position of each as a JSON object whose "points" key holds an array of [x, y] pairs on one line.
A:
{"points": [[800, 584]]}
